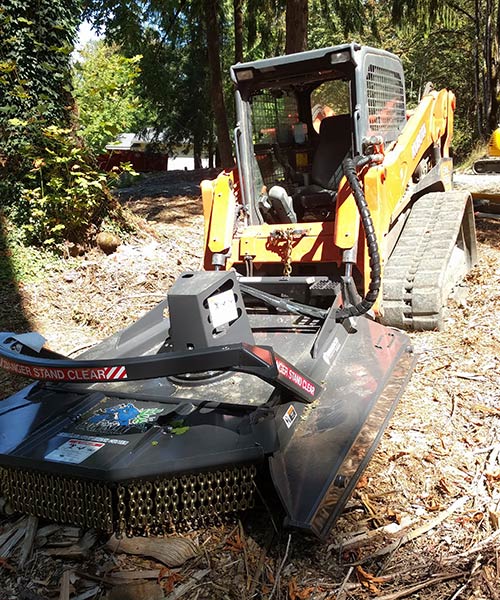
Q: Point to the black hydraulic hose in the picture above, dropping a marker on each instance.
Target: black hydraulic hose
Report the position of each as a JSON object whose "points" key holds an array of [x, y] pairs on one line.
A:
{"points": [[349, 165], [284, 304]]}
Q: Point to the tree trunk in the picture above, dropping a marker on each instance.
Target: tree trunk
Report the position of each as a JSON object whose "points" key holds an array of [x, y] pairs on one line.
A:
{"points": [[238, 30], [211, 148], [297, 15], [495, 74], [216, 92], [197, 152], [488, 91], [477, 69]]}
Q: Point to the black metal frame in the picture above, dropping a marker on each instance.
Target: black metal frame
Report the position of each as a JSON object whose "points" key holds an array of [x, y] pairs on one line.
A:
{"points": [[260, 361]]}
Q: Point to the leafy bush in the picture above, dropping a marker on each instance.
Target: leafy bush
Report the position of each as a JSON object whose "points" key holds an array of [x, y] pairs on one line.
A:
{"points": [[62, 192], [49, 183], [22, 263]]}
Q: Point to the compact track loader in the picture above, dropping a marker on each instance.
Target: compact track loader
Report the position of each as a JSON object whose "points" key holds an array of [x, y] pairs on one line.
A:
{"points": [[490, 163], [308, 125], [270, 365]]}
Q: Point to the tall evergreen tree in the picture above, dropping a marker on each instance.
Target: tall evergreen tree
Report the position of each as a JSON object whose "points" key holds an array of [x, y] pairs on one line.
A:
{"points": [[481, 23]]}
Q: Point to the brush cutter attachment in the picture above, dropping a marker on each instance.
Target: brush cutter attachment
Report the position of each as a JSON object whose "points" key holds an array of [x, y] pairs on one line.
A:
{"points": [[170, 421]]}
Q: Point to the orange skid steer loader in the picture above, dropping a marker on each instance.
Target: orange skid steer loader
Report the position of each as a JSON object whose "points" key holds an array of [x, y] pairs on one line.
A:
{"points": [[287, 217]]}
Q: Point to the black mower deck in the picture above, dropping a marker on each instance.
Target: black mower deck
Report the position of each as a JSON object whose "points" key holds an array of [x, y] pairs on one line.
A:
{"points": [[156, 436]]}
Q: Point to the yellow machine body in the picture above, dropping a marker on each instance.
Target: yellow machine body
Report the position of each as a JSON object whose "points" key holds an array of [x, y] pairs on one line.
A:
{"points": [[319, 244]]}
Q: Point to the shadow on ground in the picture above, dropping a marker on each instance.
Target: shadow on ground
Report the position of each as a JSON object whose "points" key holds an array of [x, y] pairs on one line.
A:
{"points": [[12, 313], [167, 197], [162, 209]]}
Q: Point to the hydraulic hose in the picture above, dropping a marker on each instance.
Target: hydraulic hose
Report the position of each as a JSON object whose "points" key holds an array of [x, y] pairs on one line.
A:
{"points": [[349, 166], [284, 304]]}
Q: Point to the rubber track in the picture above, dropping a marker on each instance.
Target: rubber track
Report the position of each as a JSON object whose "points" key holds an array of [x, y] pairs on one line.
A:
{"points": [[485, 166], [414, 276]]}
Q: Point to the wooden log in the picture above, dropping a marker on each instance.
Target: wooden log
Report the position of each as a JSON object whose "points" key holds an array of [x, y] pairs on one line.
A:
{"points": [[64, 589], [29, 538], [137, 590], [171, 551]]}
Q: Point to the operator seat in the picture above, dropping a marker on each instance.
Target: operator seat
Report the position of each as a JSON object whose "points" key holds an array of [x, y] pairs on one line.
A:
{"points": [[335, 140]]}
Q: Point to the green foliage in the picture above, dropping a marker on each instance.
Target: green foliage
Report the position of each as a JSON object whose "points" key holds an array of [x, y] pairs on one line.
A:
{"points": [[62, 193], [432, 52], [171, 36], [107, 94], [48, 184], [37, 39], [22, 263]]}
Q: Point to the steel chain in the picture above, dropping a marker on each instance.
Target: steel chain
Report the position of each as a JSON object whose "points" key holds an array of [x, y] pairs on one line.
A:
{"points": [[142, 507]]}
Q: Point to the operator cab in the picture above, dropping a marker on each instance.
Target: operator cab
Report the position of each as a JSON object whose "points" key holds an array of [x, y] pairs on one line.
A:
{"points": [[300, 116]]}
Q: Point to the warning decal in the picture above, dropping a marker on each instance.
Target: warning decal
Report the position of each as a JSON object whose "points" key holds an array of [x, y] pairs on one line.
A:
{"points": [[65, 373], [222, 308], [74, 451], [297, 379]]}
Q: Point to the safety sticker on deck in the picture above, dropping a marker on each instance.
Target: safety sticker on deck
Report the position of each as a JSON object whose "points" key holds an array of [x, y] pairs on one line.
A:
{"points": [[290, 416], [74, 451], [64, 373]]}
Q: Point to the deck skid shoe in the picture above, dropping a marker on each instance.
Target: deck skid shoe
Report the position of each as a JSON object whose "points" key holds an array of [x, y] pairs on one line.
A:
{"points": [[169, 421]]}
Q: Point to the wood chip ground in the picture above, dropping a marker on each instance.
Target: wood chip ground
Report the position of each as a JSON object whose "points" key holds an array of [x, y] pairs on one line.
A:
{"points": [[424, 521]]}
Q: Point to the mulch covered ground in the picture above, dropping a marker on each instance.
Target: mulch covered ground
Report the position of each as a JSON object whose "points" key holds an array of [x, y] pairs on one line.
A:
{"points": [[424, 521]]}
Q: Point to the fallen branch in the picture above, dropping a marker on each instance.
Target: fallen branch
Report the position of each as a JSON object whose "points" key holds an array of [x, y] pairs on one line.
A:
{"points": [[476, 548], [415, 533], [101, 580], [171, 551], [10, 530], [29, 538], [122, 576], [65, 586], [343, 586], [76, 551], [186, 587], [390, 530], [91, 593], [282, 564], [260, 566], [419, 586], [8, 548]]}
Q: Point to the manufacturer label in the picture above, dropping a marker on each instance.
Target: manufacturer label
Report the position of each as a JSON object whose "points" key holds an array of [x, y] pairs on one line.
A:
{"points": [[74, 451], [290, 416], [222, 308], [419, 140], [79, 436], [332, 350]]}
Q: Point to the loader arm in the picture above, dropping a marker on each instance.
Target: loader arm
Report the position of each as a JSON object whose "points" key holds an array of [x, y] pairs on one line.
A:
{"points": [[389, 187]]}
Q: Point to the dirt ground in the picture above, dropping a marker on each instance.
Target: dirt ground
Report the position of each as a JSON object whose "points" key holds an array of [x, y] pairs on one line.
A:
{"points": [[424, 521]]}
